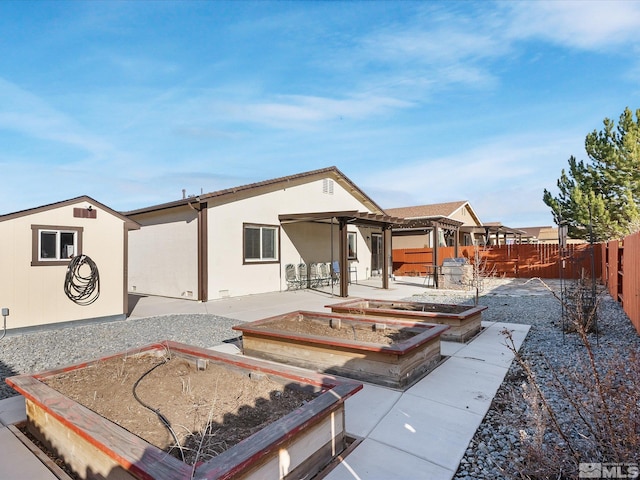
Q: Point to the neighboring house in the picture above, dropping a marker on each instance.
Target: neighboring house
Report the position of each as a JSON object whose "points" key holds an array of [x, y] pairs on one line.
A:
{"points": [[546, 234], [238, 241], [469, 229], [36, 246]]}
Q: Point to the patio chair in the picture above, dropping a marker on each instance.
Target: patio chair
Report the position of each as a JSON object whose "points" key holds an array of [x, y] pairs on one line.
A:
{"points": [[302, 275], [335, 272], [314, 274], [325, 274], [293, 281]]}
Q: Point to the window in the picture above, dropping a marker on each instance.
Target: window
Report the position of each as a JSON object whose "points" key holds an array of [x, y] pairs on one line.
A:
{"points": [[55, 245], [260, 243], [352, 253]]}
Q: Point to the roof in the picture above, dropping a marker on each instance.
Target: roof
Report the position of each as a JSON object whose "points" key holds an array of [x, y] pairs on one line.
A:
{"points": [[432, 210], [258, 188], [131, 225], [497, 227]]}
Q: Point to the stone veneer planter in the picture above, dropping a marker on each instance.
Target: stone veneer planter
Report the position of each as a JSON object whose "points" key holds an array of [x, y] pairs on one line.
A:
{"points": [[398, 365], [464, 320], [295, 446]]}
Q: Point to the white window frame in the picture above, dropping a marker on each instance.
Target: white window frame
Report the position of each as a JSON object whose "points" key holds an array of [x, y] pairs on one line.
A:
{"points": [[276, 243], [58, 259]]}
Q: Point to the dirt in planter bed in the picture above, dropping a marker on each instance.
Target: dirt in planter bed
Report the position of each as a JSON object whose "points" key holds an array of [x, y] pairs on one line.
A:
{"points": [[429, 307], [361, 332], [208, 410]]}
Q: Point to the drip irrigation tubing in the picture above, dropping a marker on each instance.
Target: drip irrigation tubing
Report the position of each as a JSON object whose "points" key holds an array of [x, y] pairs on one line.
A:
{"points": [[82, 289], [160, 416]]}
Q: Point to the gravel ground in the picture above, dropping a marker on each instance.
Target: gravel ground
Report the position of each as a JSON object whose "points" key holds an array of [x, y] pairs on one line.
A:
{"points": [[494, 452], [44, 350]]}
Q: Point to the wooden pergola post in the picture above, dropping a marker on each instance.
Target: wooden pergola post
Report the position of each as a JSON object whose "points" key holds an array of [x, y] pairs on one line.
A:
{"points": [[343, 260], [386, 252], [436, 260]]}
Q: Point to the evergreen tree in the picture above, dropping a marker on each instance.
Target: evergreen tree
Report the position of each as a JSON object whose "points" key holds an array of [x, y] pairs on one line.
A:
{"points": [[605, 191]]}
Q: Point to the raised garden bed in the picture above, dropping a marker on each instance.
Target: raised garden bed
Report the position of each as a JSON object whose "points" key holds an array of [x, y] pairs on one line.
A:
{"points": [[464, 320], [393, 354], [307, 435]]}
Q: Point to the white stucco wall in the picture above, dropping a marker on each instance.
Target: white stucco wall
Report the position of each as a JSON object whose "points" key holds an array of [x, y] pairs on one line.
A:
{"points": [[304, 242], [163, 254], [35, 294]]}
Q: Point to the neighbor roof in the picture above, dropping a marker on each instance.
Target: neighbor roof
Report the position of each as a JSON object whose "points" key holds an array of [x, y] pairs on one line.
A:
{"points": [[447, 209], [431, 210], [264, 186]]}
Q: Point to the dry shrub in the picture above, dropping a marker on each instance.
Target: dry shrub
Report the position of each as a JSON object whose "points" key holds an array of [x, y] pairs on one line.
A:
{"points": [[583, 413]]}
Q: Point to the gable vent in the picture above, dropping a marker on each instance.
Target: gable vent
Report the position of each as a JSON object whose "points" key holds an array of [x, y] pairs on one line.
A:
{"points": [[327, 186]]}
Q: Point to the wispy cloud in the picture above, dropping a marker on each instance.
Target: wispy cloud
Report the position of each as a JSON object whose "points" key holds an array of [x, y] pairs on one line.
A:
{"points": [[301, 112], [502, 178], [591, 25], [29, 115]]}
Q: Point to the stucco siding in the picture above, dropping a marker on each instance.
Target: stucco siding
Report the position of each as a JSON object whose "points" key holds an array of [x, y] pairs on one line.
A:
{"points": [[304, 242], [465, 216], [163, 254], [35, 293], [411, 241]]}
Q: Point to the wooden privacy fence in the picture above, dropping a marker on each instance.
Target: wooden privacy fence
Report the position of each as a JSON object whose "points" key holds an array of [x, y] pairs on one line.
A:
{"points": [[516, 261], [621, 274]]}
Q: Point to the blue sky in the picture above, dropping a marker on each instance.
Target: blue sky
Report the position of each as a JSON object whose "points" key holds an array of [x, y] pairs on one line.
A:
{"points": [[130, 102]]}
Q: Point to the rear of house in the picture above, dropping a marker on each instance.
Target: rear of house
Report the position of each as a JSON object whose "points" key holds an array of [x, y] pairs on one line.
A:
{"points": [[235, 242], [36, 246]]}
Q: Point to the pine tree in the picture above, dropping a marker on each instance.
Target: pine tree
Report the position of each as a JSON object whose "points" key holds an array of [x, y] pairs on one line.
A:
{"points": [[601, 196]]}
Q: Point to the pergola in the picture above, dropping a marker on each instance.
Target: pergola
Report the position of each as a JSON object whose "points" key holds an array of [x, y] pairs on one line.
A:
{"points": [[413, 226], [351, 217], [497, 229]]}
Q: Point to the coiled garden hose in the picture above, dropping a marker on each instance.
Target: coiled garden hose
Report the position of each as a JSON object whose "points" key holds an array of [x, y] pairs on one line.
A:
{"points": [[82, 288]]}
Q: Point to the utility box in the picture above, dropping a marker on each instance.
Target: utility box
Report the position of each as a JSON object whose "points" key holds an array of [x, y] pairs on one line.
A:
{"points": [[456, 273]]}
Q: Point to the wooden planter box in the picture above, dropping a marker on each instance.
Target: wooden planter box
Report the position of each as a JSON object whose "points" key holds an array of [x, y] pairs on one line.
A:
{"points": [[295, 446], [398, 365], [464, 320]]}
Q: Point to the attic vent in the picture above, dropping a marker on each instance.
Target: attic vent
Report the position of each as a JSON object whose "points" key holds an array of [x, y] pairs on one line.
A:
{"points": [[327, 186]]}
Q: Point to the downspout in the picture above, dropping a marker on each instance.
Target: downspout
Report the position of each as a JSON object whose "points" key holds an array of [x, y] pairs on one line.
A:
{"points": [[202, 249]]}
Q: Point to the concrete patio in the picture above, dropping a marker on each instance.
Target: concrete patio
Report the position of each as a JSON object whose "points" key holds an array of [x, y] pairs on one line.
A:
{"points": [[421, 433]]}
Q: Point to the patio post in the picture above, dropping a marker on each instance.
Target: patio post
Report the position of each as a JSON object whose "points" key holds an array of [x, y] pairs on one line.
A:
{"points": [[386, 249], [343, 261]]}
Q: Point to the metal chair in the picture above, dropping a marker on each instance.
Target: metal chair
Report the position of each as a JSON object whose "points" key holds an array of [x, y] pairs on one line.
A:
{"points": [[325, 274], [293, 281], [302, 275]]}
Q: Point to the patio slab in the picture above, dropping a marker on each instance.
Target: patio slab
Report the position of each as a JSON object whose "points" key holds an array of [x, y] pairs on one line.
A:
{"points": [[373, 460], [17, 461], [462, 383], [368, 407], [429, 430], [12, 410]]}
